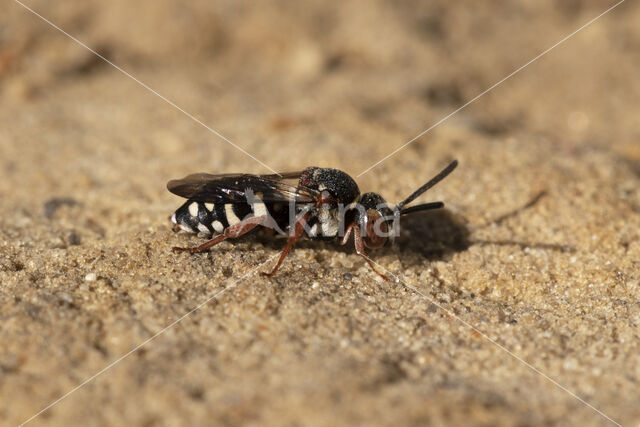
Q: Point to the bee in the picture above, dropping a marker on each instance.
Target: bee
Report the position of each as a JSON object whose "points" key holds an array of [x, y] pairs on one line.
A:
{"points": [[324, 204]]}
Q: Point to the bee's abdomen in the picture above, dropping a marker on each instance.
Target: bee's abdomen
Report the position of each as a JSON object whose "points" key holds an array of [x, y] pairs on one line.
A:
{"points": [[209, 218], [201, 218]]}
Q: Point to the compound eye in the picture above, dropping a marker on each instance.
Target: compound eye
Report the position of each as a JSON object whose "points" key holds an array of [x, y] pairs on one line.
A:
{"points": [[376, 230]]}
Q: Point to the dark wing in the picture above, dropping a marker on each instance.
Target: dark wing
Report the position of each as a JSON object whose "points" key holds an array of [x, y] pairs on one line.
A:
{"points": [[232, 188], [283, 175]]}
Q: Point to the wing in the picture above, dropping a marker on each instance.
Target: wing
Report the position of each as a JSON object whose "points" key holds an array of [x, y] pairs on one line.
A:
{"points": [[232, 188]]}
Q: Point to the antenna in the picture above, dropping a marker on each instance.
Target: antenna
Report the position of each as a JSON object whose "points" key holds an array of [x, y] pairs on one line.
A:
{"points": [[422, 207], [436, 179]]}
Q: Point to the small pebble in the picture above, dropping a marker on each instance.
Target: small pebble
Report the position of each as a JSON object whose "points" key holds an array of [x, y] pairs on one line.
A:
{"points": [[66, 298], [90, 277]]}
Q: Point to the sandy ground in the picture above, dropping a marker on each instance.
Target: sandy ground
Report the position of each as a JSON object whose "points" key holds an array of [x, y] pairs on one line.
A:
{"points": [[538, 248]]}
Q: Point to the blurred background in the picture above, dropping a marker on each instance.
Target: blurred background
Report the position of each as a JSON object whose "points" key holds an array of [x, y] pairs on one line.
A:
{"points": [[85, 152], [312, 79]]}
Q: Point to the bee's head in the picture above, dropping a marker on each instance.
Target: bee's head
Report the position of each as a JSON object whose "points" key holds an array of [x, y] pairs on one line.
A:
{"points": [[378, 222], [375, 219]]}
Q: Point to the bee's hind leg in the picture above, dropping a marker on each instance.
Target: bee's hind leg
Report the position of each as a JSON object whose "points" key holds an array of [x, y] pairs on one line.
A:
{"points": [[298, 228], [231, 232]]}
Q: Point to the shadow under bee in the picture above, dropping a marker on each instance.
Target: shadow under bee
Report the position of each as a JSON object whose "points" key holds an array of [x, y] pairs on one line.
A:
{"points": [[434, 235]]}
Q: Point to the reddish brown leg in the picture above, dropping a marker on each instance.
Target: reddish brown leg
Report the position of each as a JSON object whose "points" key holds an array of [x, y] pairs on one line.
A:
{"points": [[347, 234], [359, 244], [230, 232], [298, 230]]}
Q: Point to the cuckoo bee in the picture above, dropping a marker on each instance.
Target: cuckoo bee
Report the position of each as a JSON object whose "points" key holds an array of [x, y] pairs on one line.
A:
{"points": [[325, 204]]}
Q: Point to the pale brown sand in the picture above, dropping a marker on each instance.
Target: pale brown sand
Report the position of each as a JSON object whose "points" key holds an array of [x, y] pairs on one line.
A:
{"points": [[87, 274]]}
